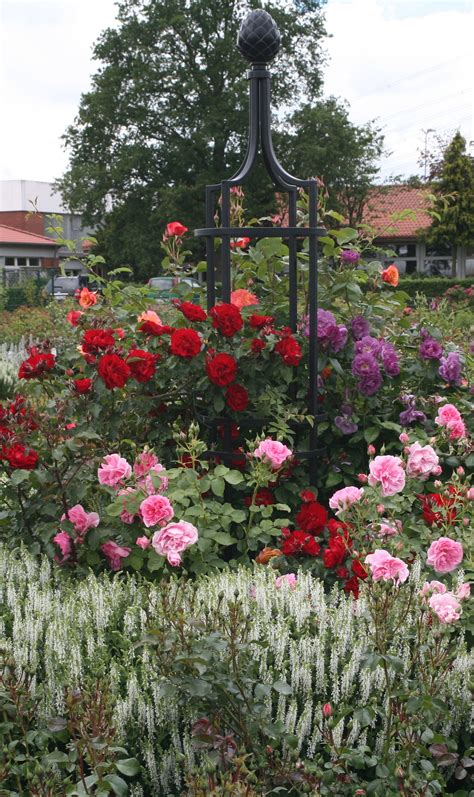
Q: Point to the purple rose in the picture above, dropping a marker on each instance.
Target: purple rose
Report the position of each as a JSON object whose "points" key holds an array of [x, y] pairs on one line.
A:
{"points": [[389, 359], [430, 349], [368, 344], [411, 415], [345, 424], [326, 325], [359, 327], [339, 338], [365, 365], [349, 256], [450, 368], [370, 384]]}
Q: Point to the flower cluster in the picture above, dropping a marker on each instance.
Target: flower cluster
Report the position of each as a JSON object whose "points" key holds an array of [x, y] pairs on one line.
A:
{"points": [[370, 355]]}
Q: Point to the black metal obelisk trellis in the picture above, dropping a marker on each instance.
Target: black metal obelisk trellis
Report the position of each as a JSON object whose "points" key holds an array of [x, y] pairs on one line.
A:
{"points": [[259, 41]]}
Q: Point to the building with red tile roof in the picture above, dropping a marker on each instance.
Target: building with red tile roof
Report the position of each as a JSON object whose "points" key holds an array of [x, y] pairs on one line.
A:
{"points": [[24, 254]]}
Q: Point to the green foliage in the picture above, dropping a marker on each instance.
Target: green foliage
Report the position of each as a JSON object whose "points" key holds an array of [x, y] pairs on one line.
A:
{"points": [[433, 286]]}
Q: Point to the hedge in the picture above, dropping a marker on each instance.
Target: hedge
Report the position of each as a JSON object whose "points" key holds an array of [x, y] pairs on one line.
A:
{"points": [[433, 286]]}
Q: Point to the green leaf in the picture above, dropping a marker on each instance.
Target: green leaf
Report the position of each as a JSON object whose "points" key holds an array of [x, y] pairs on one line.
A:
{"points": [[282, 688], [233, 477], [128, 766], [218, 486], [118, 785], [371, 434], [19, 476]]}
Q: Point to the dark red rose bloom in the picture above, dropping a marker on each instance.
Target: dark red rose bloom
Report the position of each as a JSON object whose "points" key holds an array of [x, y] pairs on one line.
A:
{"points": [[337, 527], [82, 385], [444, 502], [142, 364], [307, 496], [237, 398], [238, 459], [5, 433], [186, 461], [289, 350], [36, 366], [175, 228], [185, 343], [95, 341], [114, 371], [19, 457], [298, 542], [221, 369], [234, 431], [227, 319], [358, 569], [157, 330], [73, 317], [352, 585], [342, 572], [259, 321], [192, 311], [335, 553], [263, 497], [257, 345], [312, 517]]}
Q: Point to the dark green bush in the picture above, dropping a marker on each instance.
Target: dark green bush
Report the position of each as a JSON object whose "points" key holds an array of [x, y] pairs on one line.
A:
{"points": [[432, 286]]}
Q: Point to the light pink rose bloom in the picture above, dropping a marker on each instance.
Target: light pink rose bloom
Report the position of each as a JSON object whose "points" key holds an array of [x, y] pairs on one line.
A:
{"points": [[156, 510], [63, 540], [456, 429], [343, 499], [143, 542], [387, 471], [403, 437], [446, 414], [113, 470], [114, 554], [470, 494], [273, 452], [432, 587], [144, 462], [463, 591], [386, 567], [446, 607], [422, 461], [173, 539], [82, 520], [389, 529], [125, 515], [149, 482], [289, 579], [444, 555]]}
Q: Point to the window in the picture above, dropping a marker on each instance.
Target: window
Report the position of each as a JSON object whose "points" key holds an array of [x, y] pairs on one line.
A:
{"points": [[10, 261], [22, 262]]}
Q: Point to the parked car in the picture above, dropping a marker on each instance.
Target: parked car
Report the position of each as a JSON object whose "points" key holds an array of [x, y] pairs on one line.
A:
{"points": [[61, 287], [163, 288]]}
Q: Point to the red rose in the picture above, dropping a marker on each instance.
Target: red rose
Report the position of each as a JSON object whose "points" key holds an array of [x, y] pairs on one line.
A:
{"points": [[142, 364], [36, 365], [114, 371], [185, 343], [97, 340], [259, 321], [263, 497], [358, 569], [221, 369], [342, 572], [5, 433], [289, 350], [307, 496], [234, 431], [227, 319], [352, 585], [239, 243], [237, 398], [444, 502], [82, 385], [18, 457], [298, 542], [73, 317], [175, 228], [192, 311], [335, 553], [152, 328], [257, 345], [312, 517]]}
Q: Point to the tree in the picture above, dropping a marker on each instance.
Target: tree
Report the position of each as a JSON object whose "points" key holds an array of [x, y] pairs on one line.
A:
{"points": [[167, 113], [453, 211], [323, 142]]}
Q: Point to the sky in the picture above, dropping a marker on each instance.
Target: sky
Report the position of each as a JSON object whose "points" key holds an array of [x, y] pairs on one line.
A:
{"points": [[409, 64]]}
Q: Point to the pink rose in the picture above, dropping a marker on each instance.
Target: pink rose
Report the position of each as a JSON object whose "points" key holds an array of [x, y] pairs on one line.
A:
{"points": [[446, 414], [113, 470], [445, 606], [456, 429], [445, 554], [143, 543], [463, 592], [343, 499], [155, 485], [156, 510], [386, 567], [144, 462], [389, 472], [470, 494], [63, 540], [125, 515], [432, 587], [289, 579], [114, 554], [173, 539], [422, 461], [273, 452], [403, 437], [389, 529], [82, 520]]}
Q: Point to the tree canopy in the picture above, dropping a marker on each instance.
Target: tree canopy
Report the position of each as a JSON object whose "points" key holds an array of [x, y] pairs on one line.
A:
{"points": [[167, 113]]}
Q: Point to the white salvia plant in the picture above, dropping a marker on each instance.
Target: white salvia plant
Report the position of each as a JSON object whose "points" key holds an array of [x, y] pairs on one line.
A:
{"points": [[62, 630]]}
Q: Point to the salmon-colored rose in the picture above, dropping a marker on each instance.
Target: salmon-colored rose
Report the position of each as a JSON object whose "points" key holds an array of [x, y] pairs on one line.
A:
{"points": [[242, 298], [266, 554], [87, 298], [390, 275], [150, 315]]}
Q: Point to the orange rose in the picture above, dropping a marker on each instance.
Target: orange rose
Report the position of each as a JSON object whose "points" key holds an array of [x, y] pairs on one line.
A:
{"points": [[266, 554], [150, 315], [87, 298], [390, 275], [242, 298]]}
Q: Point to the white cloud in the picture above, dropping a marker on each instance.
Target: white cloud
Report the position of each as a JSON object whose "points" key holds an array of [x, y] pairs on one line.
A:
{"points": [[410, 65], [46, 64]]}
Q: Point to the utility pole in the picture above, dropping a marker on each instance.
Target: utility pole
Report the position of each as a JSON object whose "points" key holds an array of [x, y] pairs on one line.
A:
{"points": [[425, 156]]}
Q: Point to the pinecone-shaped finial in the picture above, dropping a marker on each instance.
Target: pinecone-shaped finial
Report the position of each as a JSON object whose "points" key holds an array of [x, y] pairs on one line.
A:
{"points": [[259, 38]]}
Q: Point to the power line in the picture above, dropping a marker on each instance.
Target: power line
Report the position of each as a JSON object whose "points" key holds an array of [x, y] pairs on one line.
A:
{"points": [[434, 101], [434, 68], [421, 122]]}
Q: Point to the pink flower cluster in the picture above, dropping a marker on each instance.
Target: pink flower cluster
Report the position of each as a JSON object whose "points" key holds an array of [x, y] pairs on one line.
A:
{"points": [[450, 418], [386, 567], [289, 580], [444, 555], [113, 470], [81, 520], [114, 554], [343, 499], [422, 462], [388, 472], [173, 539], [273, 452]]}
